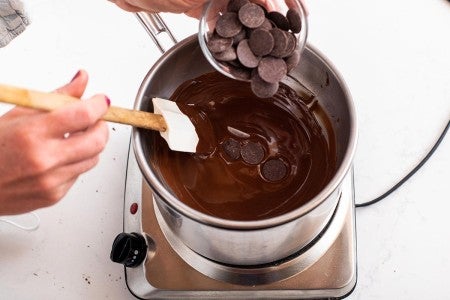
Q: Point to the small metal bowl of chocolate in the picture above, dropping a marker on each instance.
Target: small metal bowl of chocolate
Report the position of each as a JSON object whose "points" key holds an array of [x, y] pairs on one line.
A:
{"points": [[256, 41]]}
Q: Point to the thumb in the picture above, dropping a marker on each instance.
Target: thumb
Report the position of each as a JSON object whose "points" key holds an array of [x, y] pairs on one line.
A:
{"points": [[76, 86]]}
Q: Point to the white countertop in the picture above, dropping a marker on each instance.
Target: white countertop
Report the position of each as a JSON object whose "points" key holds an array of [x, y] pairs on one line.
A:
{"points": [[395, 57]]}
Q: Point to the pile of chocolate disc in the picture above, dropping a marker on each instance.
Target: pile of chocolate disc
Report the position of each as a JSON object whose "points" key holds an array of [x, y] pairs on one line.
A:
{"points": [[256, 45]]}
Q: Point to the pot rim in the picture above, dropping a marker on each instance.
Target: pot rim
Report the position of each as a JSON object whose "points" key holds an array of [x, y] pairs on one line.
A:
{"points": [[158, 188]]}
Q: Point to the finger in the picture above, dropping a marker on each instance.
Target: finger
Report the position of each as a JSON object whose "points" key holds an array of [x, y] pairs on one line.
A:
{"points": [[17, 112], [83, 145], [50, 198], [52, 184], [76, 86], [58, 194], [30, 202], [76, 116], [273, 5], [267, 4], [195, 9], [195, 12], [54, 193], [126, 6]]}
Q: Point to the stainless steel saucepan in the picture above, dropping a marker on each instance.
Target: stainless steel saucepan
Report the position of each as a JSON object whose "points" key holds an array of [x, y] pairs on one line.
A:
{"points": [[245, 243]]}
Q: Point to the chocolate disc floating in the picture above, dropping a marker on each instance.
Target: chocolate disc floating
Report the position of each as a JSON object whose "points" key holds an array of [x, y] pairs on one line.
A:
{"points": [[232, 149], [274, 170], [252, 153]]}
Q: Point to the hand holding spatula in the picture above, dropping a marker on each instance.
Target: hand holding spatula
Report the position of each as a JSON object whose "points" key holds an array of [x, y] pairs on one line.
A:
{"points": [[174, 126]]}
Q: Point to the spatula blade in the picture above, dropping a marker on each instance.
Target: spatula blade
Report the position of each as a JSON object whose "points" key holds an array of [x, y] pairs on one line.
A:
{"points": [[180, 134]]}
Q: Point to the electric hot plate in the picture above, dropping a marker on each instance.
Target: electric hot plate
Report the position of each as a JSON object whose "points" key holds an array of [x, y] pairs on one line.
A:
{"points": [[159, 266]]}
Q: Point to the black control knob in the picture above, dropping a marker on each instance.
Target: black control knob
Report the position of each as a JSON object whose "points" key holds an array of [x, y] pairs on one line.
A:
{"points": [[129, 249]]}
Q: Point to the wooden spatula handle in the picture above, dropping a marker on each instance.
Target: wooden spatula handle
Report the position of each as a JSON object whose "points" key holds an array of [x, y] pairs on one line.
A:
{"points": [[136, 118], [51, 101]]}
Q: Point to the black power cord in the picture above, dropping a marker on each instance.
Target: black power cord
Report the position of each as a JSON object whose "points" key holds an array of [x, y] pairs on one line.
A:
{"points": [[410, 174]]}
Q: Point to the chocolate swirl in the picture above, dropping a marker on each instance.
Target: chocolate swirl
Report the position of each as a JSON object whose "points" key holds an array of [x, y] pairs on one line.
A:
{"points": [[214, 183]]}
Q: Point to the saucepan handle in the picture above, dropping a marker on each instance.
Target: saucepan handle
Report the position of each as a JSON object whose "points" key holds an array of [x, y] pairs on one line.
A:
{"points": [[155, 26]]}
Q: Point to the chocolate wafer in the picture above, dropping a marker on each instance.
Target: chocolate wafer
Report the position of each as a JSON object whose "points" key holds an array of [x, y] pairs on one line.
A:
{"points": [[291, 44], [232, 149], [239, 37], [251, 15], [252, 153], [216, 43], [279, 19], [294, 19], [272, 69], [228, 25], [293, 60], [274, 170], [280, 42], [261, 88], [235, 5], [227, 55], [246, 55], [261, 42]]}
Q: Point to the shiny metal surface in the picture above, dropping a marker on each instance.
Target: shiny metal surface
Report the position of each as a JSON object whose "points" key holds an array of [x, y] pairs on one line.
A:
{"points": [[253, 242], [155, 25], [325, 270]]}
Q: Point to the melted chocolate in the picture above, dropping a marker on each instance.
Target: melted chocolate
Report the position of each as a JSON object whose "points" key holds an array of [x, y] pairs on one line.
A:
{"points": [[214, 183]]}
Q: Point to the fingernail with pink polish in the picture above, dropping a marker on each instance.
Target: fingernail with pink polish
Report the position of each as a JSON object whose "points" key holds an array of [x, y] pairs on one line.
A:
{"points": [[108, 101], [76, 75]]}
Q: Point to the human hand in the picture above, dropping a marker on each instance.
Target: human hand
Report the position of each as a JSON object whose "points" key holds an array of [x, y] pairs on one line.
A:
{"points": [[43, 153], [190, 7], [275, 5]]}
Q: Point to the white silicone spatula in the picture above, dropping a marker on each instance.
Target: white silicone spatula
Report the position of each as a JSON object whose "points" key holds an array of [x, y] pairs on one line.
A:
{"points": [[174, 126]]}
